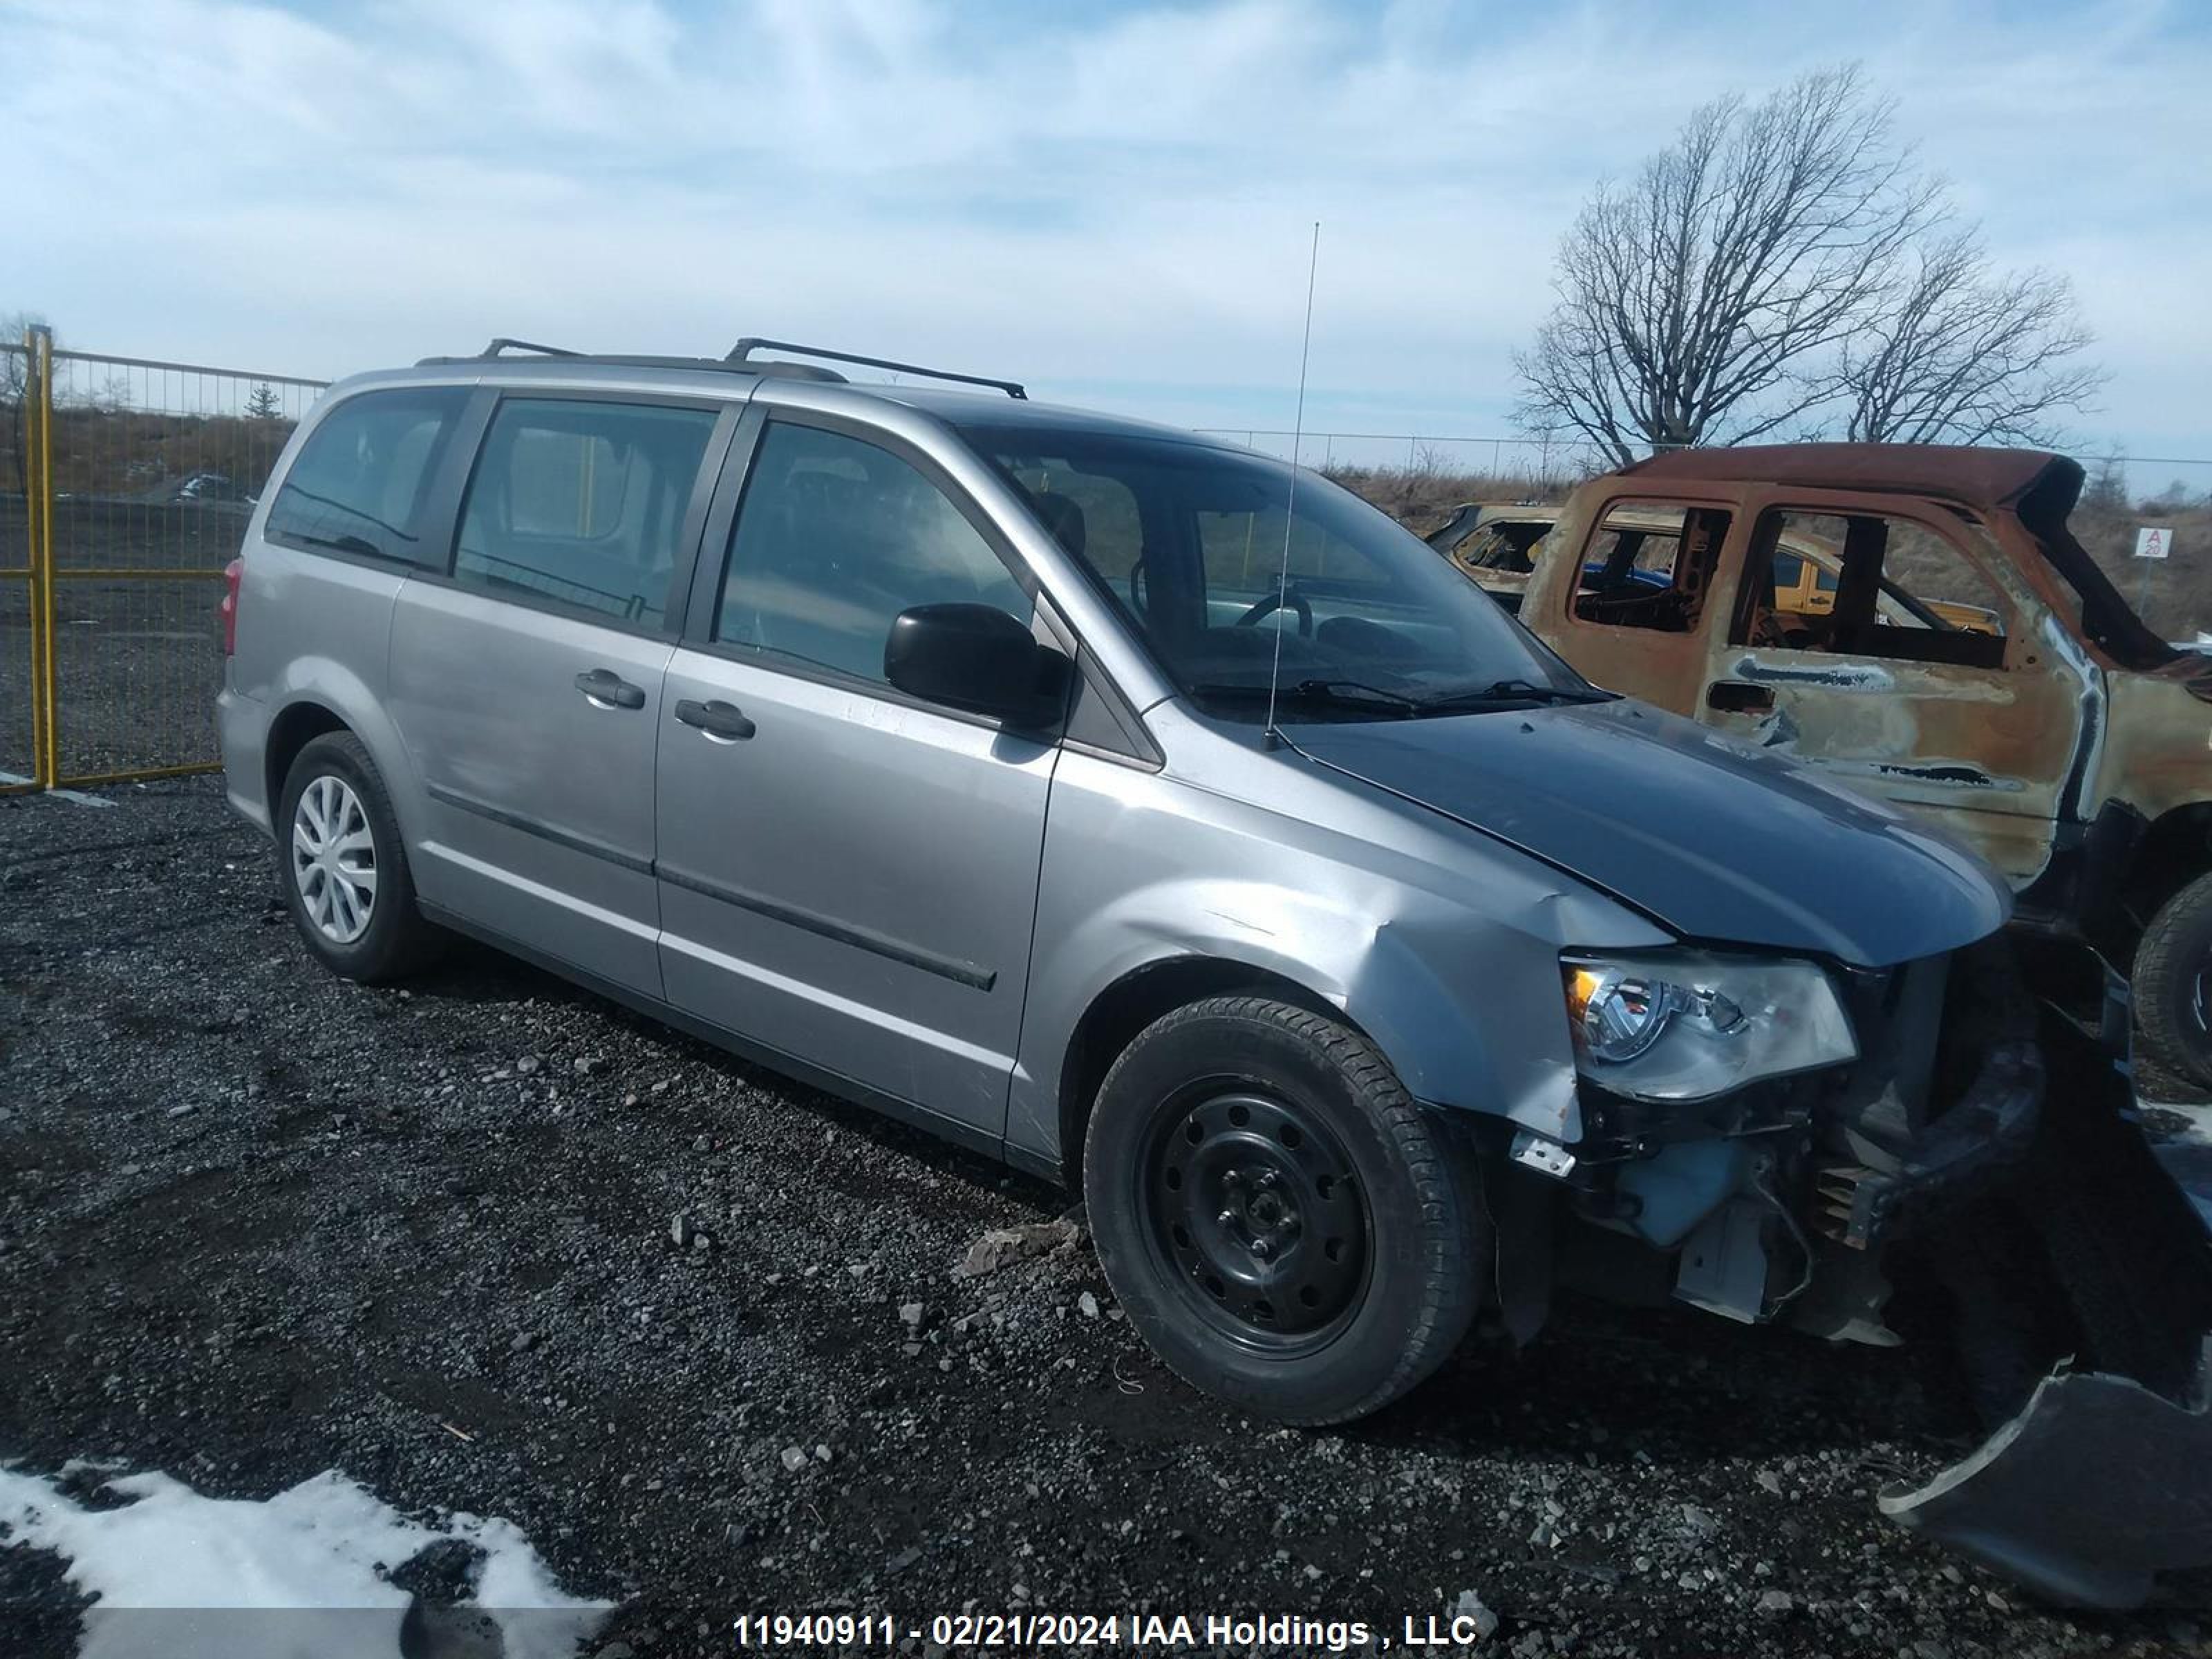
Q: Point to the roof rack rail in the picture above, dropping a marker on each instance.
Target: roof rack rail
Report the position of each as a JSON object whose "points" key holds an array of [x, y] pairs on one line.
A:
{"points": [[503, 344], [745, 349]]}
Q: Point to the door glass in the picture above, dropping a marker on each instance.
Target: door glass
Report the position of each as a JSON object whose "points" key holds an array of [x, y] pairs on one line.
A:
{"points": [[1650, 566], [1898, 590], [836, 537], [583, 502]]}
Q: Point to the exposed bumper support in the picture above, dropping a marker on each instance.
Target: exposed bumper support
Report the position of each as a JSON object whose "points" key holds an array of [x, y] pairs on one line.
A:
{"points": [[1976, 1141]]}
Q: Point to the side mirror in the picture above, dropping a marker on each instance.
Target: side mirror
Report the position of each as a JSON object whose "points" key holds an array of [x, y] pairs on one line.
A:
{"points": [[974, 657]]}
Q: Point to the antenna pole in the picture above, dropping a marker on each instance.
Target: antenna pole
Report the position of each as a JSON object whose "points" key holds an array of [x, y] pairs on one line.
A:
{"points": [[1270, 736]]}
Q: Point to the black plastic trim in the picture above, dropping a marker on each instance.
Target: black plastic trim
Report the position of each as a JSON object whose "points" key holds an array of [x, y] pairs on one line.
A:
{"points": [[951, 967], [538, 826]]}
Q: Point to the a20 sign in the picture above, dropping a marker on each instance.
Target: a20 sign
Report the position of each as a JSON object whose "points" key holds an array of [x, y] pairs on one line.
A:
{"points": [[2154, 541]]}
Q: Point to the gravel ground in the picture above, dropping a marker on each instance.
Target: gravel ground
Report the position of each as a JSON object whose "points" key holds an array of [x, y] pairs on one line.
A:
{"points": [[256, 1223]]}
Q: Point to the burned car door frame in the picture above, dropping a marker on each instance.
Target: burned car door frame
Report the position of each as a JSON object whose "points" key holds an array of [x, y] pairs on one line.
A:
{"points": [[1994, 751]]}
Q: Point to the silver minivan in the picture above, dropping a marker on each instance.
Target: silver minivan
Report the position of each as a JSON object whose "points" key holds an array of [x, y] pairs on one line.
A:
{"points": [[1134, 808]]}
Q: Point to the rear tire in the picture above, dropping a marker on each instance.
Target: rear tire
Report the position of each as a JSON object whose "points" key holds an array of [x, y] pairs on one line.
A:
{"points": [[1283, 1224], [2173, 983], [344, 867]]}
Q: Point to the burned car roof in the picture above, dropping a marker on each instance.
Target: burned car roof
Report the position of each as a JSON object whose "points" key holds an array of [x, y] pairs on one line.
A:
{"points": [[1949, 472]]}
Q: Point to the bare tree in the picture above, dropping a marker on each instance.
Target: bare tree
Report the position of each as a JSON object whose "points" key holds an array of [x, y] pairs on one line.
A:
{"points": [[1692, 298], [1957, 353]]}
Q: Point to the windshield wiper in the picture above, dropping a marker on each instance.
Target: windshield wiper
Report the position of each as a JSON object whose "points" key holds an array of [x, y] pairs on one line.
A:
{"points": [[1509, 691], [1335, 694]]}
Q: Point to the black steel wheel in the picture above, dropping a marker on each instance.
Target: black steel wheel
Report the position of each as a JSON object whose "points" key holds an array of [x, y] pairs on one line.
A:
{"points": [[1258, 1204], [1284, 1226]]}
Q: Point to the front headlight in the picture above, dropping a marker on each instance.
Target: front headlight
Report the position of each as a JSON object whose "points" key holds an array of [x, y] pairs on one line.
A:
{"points": [[1681, 1026]]}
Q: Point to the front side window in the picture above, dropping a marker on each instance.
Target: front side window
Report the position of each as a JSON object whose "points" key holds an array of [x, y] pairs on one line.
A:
{"points": [[835, 538], [582, 503], [1221, 568], [1652, 566], [360, 480]]}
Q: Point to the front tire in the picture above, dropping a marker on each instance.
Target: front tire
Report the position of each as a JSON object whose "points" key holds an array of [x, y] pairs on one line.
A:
{"points": [[1283, 1224], [2173, 983], [344, 867]]}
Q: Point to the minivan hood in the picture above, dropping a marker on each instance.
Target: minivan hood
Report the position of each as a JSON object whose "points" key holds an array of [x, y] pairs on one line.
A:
{"points": [[1718, 842]]}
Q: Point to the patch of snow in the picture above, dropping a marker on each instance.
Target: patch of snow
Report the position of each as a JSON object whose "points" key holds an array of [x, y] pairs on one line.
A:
{"points": [[220, 1566]]}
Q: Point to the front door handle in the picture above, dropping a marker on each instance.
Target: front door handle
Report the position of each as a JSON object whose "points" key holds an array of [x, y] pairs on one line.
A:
{"points": [[722, 722], [610, 691], [1737, 697]]}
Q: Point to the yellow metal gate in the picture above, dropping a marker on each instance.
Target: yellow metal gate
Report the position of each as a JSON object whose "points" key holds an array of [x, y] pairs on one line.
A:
{"points": [[132, 481]]}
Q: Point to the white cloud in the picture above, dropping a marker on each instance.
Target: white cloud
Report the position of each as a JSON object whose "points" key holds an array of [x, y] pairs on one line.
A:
{"points": [[1110, 200]]}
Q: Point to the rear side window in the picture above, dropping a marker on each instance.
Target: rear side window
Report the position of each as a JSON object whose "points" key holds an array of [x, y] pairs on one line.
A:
{"points": [[358, 483], [583, 502]]}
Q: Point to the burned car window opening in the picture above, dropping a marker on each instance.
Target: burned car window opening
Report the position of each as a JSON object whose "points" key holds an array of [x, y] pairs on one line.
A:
{"points": [[1650, 566], [1903, 591]]}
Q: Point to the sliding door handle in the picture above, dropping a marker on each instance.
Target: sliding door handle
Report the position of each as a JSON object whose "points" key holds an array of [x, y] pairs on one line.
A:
{"points": [[724, 722]]}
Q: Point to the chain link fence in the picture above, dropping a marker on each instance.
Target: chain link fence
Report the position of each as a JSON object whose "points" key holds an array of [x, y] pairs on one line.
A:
{"points": [[124, 490]]}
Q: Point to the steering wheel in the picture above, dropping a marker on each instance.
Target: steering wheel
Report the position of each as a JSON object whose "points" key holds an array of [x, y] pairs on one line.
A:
{"points": [[1274, 602], [1137, 586]]}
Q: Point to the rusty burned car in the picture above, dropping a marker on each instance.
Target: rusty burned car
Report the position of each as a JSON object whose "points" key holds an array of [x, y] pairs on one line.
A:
{"points": [[1969, 662]]}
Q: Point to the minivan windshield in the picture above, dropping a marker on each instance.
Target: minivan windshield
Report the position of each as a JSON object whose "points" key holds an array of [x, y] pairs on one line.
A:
{"points": [[1189, 539]]}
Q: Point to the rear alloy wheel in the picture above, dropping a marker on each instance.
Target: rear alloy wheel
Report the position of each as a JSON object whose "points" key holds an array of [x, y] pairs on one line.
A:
{"points": [[1283, 1225], [345, 874], [334, 859], [2173, 979]]}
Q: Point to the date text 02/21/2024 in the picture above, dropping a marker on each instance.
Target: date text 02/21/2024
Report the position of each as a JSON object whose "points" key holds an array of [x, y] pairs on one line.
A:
{"points": [[1165, 1632]]}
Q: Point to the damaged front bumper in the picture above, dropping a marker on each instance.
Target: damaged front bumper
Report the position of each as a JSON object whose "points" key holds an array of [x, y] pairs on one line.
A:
{"points": [[2103, 1479], [2096, 1488], [2072, 1270]]}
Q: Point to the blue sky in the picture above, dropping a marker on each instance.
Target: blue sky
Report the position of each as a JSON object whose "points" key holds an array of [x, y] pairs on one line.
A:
{"points": [[1112, 201]]}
